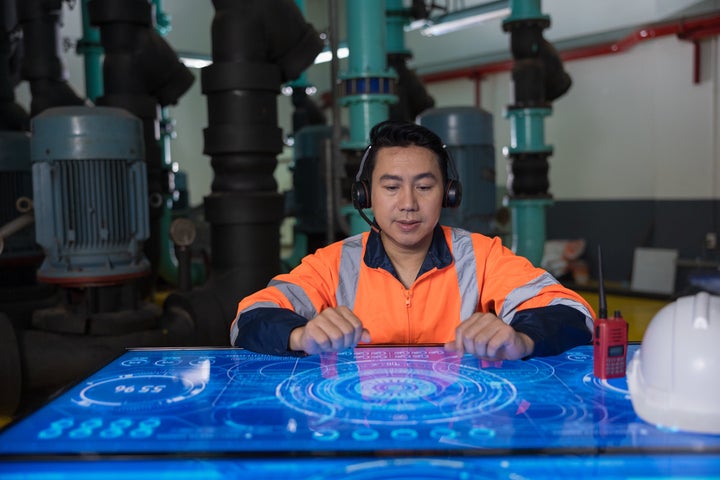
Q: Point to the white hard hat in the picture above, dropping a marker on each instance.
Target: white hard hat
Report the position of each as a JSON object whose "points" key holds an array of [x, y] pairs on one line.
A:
{"points": [[674, 377]]}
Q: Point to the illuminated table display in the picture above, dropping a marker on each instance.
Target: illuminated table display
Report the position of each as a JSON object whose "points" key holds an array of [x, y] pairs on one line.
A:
{"points": [[404, 412]]}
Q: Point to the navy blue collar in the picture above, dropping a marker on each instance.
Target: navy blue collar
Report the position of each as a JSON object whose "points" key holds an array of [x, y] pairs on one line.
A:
{"points": [[438, 255]]}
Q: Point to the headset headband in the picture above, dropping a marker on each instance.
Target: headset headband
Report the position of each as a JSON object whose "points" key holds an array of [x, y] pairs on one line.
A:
{"points": [[358, 175]]}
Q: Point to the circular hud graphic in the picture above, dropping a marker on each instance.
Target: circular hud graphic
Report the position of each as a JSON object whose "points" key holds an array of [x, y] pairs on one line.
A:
{"points": [[617, 386], [269, 370], [137, 392], [415, 391], [256, 416]]}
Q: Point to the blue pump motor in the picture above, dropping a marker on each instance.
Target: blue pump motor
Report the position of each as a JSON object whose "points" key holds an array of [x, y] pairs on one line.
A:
{"points": [[468, 134], [90, 195]]}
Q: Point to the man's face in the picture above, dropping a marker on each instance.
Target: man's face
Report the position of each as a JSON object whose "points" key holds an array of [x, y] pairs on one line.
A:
{"points": [[406, 195]]}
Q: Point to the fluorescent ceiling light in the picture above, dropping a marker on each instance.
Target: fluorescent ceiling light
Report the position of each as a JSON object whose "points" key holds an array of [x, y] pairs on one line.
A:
{"points": [[195, 60], [417, 25], [460, 19], [326, 55]]}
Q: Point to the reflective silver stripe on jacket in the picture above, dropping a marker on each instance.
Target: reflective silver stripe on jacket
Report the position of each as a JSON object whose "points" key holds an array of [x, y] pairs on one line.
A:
{"points": [[577, 306], [350, 262], [521, 294], [297, 297], [466, 268], [234, 329]]}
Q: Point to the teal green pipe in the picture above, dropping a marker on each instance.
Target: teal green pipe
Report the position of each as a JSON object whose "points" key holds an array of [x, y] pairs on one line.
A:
{"points": [[528, 215], [89, 46], [367, 64], [367, 83], [527, 134], [525, 9], [357, 224], [366, 38], [528, 227], [527, 130], [397, 17], [162, 20]]}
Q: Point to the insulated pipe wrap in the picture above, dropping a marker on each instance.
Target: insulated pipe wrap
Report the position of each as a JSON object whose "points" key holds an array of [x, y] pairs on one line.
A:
{"points": [[40, 22], [41, 64], [240, 75], [137, 57], [256, 46]]}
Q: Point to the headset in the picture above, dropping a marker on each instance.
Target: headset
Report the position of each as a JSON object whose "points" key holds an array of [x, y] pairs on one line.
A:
{"points": [[360, 191]]}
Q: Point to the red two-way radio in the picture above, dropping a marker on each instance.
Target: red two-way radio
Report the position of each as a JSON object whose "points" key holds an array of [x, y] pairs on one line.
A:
{"points": [[610, 337]]}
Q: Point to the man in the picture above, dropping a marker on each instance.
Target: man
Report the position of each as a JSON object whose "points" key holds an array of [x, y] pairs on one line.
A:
{"points": [[410, 280]]}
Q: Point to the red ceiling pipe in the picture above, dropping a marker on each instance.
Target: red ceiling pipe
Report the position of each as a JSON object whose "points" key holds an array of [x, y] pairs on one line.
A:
{"points": [[687, 29]]}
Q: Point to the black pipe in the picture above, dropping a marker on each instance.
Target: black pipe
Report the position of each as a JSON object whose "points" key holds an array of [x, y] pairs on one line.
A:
{"points": [[306, 111], [140, 72], [12, 115], [256, 46], [413, 97], [538, 79], [42, 65]]}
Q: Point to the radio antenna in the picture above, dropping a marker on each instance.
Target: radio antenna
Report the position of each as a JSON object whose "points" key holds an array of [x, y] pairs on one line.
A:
{"points": [[602, 310]]}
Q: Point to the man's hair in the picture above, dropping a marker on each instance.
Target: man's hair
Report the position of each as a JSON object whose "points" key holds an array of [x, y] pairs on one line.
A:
{"points": [[393, 133]]}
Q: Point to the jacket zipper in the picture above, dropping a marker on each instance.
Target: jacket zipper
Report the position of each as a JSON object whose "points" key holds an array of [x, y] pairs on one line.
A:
{"points": [[408, 303], [408, 317]]}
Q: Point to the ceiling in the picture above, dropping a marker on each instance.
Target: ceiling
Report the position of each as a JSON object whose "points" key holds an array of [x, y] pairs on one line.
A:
{"points": [[572, 21]]}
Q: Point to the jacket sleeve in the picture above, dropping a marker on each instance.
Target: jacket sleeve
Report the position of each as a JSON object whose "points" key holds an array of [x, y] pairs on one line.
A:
{"points": [[511, 284], [267, 330], [554, 329], [265, 318]]}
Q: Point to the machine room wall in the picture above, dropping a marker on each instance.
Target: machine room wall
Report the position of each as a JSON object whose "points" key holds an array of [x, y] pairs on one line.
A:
{"points": [[632, 126]]}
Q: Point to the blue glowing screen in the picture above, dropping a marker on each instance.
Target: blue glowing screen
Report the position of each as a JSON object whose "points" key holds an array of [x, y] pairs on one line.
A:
{"points": [[192, 403], [635, 467]]}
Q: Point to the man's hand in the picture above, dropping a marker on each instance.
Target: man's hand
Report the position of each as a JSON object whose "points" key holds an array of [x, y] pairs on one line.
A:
{"points": [[487, 337], [333, 330]]}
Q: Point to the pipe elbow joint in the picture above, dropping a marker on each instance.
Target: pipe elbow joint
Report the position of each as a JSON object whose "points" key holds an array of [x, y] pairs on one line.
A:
{"points": [[132, 45], [267, 31], [557, 80], [166, 78]]}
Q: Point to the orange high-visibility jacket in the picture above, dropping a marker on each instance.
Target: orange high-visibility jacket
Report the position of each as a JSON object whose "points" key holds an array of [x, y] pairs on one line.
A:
{"points": [[463, 273]]}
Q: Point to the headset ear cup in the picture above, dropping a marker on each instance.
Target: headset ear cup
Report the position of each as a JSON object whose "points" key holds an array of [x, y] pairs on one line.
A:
{"points": [[360, 194], [453, 194]]}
